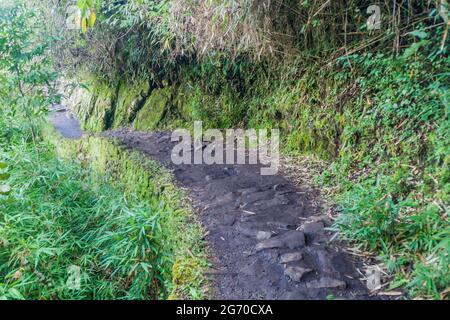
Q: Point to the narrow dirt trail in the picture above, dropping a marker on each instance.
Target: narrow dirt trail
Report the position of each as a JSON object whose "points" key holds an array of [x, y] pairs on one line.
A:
{"points": [[268, 239], [65, 123]]}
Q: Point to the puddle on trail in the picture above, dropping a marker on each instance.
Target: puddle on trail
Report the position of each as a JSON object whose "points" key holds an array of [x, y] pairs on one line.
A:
{"points": [[65, 122]]}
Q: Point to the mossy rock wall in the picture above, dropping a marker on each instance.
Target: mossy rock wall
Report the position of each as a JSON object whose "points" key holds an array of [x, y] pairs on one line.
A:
{"points": [[153, 110], [130, 99], [94, 104], [327, 113], [294, 110], [77, 99], [102, 106]]}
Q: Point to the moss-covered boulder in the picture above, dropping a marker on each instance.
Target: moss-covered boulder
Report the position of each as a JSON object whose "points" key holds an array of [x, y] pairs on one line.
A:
{"points": [[101, 110], [93, 102], [76, 98], [153, 110], [130, 99]]}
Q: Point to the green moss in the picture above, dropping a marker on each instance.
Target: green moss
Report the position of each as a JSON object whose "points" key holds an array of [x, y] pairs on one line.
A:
{"points": [[94, 105], [129, 100], [185, 272], [153, 110], [190, 102]]}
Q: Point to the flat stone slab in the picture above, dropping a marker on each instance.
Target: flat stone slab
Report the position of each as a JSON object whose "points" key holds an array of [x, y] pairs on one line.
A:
{"points": [[313, 228], [263, 235], [291, 239]]}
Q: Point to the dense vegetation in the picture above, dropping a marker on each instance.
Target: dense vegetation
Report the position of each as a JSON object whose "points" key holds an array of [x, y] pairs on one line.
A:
{"points": [[69, 230], [373, 104]]}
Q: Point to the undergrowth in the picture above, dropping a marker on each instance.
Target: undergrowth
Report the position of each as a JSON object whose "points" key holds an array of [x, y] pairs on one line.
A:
{"points": [[381, 122], [373, 104], [60, 217], [181, 234], [71, 229], [394, 191], [57, 217]]}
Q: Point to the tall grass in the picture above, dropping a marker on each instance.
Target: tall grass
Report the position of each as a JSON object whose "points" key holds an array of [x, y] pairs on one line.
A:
{"points": [[68, 231], [58, 217]]}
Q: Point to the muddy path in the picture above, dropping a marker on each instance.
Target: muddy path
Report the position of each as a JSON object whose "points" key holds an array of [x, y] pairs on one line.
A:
{"points": [[65, 122], [268, 239]]}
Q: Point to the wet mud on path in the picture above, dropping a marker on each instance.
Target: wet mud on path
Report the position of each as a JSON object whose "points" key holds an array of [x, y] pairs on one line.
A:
{"points": [[65, 122], [268, 239]]}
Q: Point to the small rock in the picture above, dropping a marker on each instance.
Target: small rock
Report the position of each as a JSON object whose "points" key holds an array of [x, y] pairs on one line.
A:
{"points": [[227, 198], [294, 239], [247, 253], [326, 283], [263, 235], [296, 273], [247, 191], [291, 257], [291, 239], [269, 244], [325, 261], [313, 228]]}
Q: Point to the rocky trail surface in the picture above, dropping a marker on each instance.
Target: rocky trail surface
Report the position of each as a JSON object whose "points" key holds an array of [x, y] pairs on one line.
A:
{"points": [[268, 239]]}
